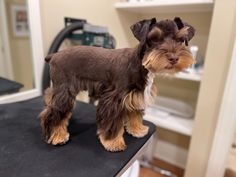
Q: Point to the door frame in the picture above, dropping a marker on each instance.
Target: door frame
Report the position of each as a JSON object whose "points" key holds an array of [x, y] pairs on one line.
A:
{"points": [[5, 41], [37, 54], [226, 124]]}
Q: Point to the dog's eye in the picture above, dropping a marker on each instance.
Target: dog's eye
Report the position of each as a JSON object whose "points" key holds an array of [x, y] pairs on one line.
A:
{"points": [[180, 42], [179, 39], [163, 50]]}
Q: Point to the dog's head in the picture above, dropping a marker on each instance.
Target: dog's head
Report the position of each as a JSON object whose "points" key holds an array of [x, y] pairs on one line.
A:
{"points": [[163, 44]]}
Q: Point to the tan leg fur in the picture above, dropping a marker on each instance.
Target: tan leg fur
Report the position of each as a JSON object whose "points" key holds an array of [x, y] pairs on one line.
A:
{"points": [[115, 144], [60, 134], [134, 125]]}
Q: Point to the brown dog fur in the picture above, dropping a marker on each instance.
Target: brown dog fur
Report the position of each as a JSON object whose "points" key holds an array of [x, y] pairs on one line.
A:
{"points": [[121, 80]]}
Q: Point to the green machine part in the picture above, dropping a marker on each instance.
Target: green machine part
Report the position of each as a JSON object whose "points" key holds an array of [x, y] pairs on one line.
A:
{"points": [[91, 39]]}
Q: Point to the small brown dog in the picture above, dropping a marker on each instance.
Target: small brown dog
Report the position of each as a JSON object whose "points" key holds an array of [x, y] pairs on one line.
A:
{"points": [[121, 80]]}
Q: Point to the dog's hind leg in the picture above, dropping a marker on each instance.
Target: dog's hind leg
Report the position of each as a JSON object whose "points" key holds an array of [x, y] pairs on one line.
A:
{"points": [[110, 122], [55, 117]]}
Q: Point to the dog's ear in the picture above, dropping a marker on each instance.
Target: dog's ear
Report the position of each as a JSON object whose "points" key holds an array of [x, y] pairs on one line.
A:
{"points": [[185, 31], [141, 28], [191, 31], [179, 23]]}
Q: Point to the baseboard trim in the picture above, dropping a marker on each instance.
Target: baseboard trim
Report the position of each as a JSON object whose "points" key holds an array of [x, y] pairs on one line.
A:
{"points": [[171, 153]]}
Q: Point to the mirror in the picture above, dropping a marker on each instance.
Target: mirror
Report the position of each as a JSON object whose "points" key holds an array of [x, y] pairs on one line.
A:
{"points": [[16, 64]]}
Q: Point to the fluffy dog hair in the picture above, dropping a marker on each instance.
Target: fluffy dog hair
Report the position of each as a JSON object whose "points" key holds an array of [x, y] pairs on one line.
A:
{"points": [[121, 80]]}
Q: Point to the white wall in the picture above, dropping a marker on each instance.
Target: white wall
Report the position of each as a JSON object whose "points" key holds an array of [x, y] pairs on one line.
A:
{"points": [[95, 12]]}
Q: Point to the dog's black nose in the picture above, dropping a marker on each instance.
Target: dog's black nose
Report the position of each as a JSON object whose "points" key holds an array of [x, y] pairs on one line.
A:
{"points": [[173, 60]]}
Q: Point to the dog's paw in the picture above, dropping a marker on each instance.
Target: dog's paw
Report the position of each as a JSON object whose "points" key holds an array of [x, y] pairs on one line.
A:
{"points": [[138, 132], [58, 138], [113, 145]]}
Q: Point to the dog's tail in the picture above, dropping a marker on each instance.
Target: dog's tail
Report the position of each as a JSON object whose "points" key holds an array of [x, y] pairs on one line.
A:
{"points": [[49, 57]]}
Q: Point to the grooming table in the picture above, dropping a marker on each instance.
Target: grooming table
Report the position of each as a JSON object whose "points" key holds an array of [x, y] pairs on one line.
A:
{"points": [[23, 153], [7, 86]]}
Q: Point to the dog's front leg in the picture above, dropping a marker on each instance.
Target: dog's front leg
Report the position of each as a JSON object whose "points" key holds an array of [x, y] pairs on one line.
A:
{"points": [[114, 144], [134, 103], [134, 124], [110, 121]]}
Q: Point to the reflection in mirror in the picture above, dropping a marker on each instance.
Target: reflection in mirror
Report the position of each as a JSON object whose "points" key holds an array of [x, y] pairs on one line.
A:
{"points": [[16, 71]]}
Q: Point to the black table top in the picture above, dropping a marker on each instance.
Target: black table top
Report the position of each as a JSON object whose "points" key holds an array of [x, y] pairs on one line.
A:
{"points": [[23, 153], [8, 86]]}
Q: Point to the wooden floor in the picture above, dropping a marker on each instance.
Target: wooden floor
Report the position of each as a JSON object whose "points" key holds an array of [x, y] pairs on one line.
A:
{"points": [[146, 172]]}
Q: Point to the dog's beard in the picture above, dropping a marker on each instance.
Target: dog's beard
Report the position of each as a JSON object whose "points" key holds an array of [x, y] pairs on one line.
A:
{"points": [[157, 61], [185, 60]]}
